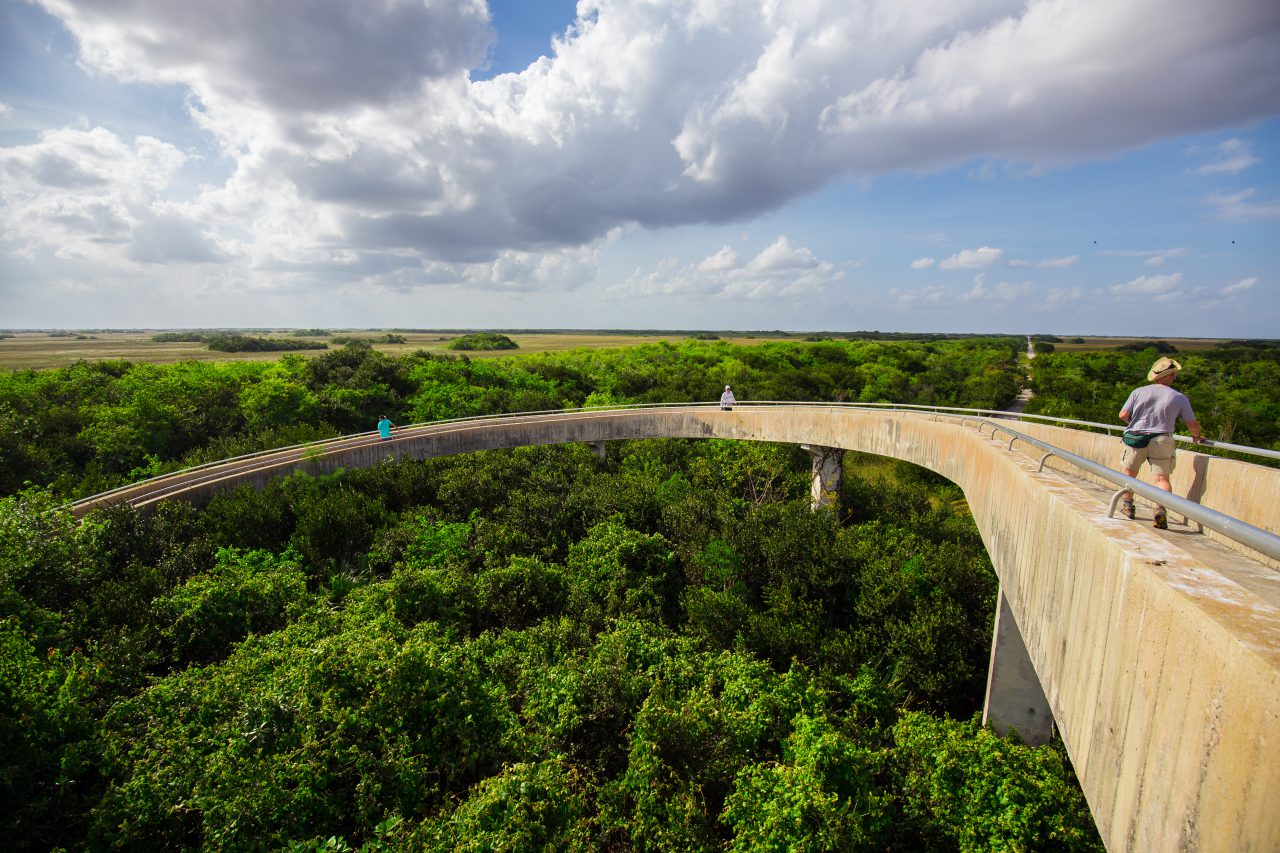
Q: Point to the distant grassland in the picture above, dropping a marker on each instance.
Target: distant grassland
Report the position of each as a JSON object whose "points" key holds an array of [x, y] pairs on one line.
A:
{"points": [[39, 350], [1100, 343]]}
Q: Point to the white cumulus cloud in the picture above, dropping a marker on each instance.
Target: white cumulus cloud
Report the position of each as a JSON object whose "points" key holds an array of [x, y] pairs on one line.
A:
{"points": [[780, 270], [91, 195], [972, 259], [922, 263]]}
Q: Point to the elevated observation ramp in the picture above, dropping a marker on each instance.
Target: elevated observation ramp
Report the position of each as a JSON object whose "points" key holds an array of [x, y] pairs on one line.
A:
{"points": [[1158, 652]]}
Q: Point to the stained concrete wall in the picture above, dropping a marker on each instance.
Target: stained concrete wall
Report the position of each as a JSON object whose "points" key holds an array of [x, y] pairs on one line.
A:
{"points": [[827, 476], [1015, 701], [1160, 658]]}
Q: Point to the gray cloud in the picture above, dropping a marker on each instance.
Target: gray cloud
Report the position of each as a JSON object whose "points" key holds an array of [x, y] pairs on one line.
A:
{"points": [[293, 55], [354, 126], [53, 170], [369, 179], [169, 239]]}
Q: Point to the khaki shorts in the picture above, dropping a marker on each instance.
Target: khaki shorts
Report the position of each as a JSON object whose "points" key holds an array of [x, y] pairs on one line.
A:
{"points": [[1159, 452]]}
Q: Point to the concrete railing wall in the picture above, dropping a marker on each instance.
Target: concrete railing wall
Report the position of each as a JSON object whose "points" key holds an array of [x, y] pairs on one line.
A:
{"points": [[1239, 489], [1161, 663]]}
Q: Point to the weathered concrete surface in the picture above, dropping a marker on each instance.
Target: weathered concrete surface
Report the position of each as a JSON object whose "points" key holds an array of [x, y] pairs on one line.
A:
{"points": [[1159, 652], [1015, 699], [1238, 489], [828, 476]]}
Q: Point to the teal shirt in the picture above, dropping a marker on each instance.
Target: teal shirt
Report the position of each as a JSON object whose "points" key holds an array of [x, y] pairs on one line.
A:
{"points": [[384, 427]]}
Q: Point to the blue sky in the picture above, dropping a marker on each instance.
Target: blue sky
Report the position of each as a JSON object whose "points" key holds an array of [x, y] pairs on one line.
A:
{"points": [[1083, 167]]}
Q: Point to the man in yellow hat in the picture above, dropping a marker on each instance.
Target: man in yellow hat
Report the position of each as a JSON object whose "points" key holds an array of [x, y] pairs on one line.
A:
{"points": [[1151, 413]]}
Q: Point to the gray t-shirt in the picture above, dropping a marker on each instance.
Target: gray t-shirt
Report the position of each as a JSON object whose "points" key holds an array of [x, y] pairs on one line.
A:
{"points": [[1156, 408]]}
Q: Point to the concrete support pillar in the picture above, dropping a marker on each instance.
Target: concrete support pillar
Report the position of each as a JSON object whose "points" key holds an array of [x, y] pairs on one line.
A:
{"points": [[1015, 699], [828, 475], [597, 447]]}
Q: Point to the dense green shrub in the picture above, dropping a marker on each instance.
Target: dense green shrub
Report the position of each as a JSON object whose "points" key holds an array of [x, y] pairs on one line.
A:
{"points": [[233, 342], [328, 725], [179, 337], [389, 338], [244, 593], [46, 730], [482, 341], [964, 786], [546, 805]]}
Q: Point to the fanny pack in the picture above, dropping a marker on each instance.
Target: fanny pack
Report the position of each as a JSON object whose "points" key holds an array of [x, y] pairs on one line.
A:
{"points": [[1137, 439]]}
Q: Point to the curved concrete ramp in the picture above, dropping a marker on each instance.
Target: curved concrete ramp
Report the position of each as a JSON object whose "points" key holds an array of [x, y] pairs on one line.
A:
{"points": [[1158, 651]]}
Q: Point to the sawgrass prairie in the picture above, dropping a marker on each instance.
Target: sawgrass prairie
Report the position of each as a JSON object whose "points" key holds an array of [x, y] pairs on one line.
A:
{"points": [[43, 349]]}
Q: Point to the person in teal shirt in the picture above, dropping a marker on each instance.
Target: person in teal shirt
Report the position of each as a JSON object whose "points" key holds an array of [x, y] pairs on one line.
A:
{"points": [[385, 426]]}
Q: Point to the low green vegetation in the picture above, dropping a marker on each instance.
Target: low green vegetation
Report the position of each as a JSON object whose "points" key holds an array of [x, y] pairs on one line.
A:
{"points": [[220, 341], [179, 337], [1162, 347], [660, 649], [388, 338], [232, 342], [482, 341]]}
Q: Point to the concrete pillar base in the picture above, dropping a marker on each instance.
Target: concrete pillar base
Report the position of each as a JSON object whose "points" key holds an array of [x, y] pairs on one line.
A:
{"points": [[597, 447], [1014, 699], [828, 476]]}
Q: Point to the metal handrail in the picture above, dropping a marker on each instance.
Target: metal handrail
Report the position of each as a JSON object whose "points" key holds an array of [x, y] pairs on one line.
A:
{"points": [[1243, 532], [963, 414], [326, 442], [1246, 534], [1186, 439]]}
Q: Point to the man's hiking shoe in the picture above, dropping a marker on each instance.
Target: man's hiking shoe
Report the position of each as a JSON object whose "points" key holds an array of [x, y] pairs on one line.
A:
{"points": [[1162, 521], [1126, 508]]}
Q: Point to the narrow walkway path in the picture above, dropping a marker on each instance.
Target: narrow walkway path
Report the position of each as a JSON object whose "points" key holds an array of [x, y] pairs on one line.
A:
{"points": [[1019, 404]]}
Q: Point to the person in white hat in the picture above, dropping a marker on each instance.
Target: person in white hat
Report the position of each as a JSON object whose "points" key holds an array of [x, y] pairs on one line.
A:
{"points": [[726, 399], [1151, 413]]}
